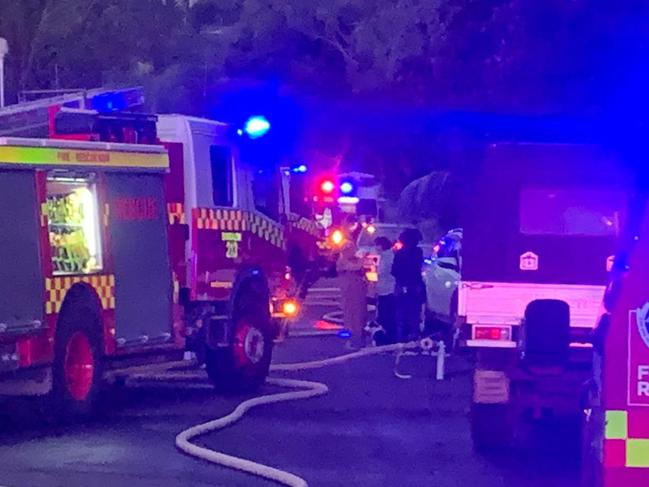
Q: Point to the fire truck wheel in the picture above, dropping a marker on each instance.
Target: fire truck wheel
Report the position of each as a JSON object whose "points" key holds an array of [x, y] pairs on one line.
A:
{"points": [[77, 370], [243, 366], [492, 427]]}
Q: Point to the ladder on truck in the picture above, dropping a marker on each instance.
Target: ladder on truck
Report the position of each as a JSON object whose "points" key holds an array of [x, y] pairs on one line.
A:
{"points": [[32, 118]]}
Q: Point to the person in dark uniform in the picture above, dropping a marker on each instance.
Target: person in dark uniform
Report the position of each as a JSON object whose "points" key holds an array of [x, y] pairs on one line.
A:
{"points": [[410, 291]]}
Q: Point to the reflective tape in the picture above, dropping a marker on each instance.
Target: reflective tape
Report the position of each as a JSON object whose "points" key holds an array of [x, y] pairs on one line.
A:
{"points": [[617, 425], [309, 226], [176, 213], [231, 220], [56, 289], [620, 450], [637, 453]]}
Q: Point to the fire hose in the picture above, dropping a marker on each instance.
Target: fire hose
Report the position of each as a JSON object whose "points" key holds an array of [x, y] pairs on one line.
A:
{"points": [[307, 389]]}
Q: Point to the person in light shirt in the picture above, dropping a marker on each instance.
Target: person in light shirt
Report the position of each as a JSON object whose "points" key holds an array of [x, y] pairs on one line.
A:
{"points": [[385, 316]]}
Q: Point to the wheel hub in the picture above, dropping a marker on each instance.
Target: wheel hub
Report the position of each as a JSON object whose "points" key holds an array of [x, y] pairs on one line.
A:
{"points": [[79, 366], [250, 344]]}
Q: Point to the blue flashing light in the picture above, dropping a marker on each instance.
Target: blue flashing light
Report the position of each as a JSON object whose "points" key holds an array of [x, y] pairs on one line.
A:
{"points": [[256, 127], [109, 102], [301, 169], [346, 187], [344, 334]]}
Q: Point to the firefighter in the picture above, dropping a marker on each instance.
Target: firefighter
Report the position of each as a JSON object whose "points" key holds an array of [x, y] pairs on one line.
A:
{"points": [[409, 290], [353, 288]]}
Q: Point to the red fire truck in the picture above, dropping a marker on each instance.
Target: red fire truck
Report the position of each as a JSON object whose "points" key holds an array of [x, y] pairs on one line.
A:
{"points": [[86, 276], [616, 411], [127, 255], [535, 264]]}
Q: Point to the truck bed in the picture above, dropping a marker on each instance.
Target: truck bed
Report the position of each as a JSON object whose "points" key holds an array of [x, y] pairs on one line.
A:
{"points": [[497, 303]]}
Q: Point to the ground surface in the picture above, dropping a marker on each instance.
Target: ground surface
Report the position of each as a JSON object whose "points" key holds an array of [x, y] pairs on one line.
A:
{"points": [[372, 429]]}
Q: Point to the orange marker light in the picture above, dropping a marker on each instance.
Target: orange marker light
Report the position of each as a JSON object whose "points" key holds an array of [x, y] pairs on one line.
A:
{"points": [[290, 308], [337, 237]]}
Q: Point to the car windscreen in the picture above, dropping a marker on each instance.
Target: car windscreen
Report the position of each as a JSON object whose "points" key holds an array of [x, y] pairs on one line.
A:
{"points": [[391, 233]]}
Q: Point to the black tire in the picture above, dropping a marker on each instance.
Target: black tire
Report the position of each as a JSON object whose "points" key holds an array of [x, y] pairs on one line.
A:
{"points": [[77, 346], [492, 427], [244, 365]]}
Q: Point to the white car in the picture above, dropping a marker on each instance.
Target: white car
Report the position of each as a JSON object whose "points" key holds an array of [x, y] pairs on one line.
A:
{"points": [[442, 272]]}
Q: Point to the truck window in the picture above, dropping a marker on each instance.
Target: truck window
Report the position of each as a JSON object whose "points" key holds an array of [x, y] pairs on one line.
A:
{"points": [[297, 194], [73, 225], [221, 162], [265, 192], [570, 212]]}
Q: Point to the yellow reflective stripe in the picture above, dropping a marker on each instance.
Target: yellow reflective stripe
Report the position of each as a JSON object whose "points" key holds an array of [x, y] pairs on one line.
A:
{"points": [[617, 425], [637, 453]]}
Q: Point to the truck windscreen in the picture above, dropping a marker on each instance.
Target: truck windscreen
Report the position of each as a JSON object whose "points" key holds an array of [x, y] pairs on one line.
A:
{"points": [[570, 212]]}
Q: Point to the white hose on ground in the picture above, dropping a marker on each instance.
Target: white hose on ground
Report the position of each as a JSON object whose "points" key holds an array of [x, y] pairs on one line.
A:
{"points": [[307, 390]]}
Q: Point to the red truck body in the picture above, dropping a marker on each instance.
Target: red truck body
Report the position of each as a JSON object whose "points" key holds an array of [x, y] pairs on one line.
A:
{"points": [[126, 255]]}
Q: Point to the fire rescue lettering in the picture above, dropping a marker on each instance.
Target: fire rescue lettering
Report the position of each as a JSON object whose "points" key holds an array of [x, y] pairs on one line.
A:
{"points": [[638, 376], [135, 208], [68, 156], [643, 385]]}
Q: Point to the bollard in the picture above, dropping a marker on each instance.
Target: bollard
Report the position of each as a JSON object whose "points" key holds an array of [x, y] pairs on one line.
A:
{"points": [[441, 359]]}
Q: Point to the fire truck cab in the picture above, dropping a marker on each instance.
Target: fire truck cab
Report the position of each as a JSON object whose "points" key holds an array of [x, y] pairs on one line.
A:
{"points": [[539, 238], [233, 224]]}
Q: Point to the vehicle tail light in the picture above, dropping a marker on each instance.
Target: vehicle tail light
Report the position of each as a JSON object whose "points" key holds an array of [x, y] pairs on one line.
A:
{"points": [[492, 332]]}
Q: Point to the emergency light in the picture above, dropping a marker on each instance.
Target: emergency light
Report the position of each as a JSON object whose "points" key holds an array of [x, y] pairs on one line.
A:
{"points": [[327, 186], [256, 127], [346, 187]]}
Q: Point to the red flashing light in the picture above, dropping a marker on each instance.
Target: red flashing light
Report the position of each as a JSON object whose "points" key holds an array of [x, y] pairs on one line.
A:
{"points": [[327, 186]]}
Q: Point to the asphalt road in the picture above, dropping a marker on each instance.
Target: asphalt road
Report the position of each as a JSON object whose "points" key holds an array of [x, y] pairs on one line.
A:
{"points": [[372, 429]]}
